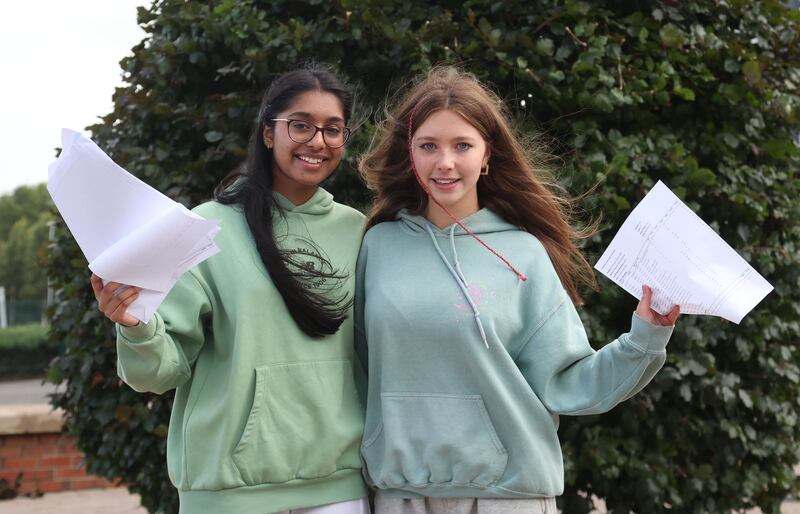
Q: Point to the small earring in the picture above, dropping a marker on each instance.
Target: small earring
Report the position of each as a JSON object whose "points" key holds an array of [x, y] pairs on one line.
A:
{"points": [[485, 170]]}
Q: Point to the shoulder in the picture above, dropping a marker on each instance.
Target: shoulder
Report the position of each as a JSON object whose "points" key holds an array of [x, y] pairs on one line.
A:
{"points": [[381, 232], [234, 232], [524, 241], [529, 254], [522, 245], [348, 213], [381, 238], [216, 210]]}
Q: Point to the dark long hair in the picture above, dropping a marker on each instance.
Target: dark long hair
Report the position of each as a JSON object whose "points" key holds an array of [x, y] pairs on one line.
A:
{"points": [[315, 312]]}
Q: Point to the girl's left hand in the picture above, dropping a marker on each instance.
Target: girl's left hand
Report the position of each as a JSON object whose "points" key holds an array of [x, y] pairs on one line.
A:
{"points": [[646, 313]]}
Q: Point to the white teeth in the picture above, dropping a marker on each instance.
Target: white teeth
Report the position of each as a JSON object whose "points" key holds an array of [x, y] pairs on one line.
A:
{"points": [[311, 160], [445, 181]]}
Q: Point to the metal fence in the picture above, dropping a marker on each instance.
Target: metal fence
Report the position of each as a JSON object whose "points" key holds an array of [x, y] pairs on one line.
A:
{"points": [[20, 312]]}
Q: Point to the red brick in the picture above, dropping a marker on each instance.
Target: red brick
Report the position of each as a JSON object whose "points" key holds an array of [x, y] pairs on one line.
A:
{"points": [[70, 473], [52, 451], [102, 482], [52, 438], [60, 450], [10, 476], [10, 451], [28, 487], [77, 460], [20, 463], [63, 460], [65, 445], [35, 451], [88, 483], [34, 440], [19, 440], [42, 474], [51, 487]]}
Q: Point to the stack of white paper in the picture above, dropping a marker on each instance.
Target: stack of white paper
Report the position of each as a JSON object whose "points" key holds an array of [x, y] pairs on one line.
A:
{"points": [[665, 245], [128, 231]]}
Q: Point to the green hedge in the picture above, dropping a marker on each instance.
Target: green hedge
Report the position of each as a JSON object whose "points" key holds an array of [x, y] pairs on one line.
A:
{"points": [[25, 351], [23, 336], [700, 94]]}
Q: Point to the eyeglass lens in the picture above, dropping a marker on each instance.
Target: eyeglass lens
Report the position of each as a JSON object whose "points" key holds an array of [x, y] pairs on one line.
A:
{"points": [[303, 132]]}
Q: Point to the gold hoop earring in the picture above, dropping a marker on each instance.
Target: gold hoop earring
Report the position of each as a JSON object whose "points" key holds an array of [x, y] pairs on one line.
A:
{"points": [[485, 171]]}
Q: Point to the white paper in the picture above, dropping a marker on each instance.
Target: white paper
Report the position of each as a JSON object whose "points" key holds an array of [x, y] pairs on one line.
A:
{"points": [[665, 245], [129, 232]]}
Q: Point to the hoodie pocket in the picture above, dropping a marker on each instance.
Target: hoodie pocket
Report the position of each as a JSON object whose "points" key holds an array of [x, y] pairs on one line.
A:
{"points": [[306, 422], [434, 439]]}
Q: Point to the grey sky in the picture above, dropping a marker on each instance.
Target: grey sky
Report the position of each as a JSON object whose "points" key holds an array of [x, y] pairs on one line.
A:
{"points": [[60, 65]]}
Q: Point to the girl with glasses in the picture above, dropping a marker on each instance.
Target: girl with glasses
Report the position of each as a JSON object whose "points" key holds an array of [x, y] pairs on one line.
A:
{"points": [[258, 340], [467, 283]]}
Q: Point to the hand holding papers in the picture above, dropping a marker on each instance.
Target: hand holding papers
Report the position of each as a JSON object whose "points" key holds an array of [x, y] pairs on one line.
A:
{"points": [[665, 245], [129, 232]]}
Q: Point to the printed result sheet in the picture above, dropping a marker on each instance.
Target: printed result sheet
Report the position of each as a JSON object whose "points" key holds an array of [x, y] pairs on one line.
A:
{"points": [[665, 245], [128, 231]]}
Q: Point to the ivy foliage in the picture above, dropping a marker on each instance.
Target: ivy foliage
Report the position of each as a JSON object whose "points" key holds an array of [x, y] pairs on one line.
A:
{"points": [[702, 95]]}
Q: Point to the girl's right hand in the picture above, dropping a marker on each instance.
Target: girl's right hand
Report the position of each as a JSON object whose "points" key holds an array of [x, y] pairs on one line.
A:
{"points": [[652, 316], [115, 307]]}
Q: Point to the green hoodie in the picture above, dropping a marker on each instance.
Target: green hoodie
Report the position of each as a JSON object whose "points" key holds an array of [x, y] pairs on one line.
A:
{"points": [[265, 418], [469, 367]]}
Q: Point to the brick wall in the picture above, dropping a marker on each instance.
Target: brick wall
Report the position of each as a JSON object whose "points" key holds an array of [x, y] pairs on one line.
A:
{"points": [[46, 458]]}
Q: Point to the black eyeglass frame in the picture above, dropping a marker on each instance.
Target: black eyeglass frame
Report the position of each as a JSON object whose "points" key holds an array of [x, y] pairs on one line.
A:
{"points": [[345, 130]]}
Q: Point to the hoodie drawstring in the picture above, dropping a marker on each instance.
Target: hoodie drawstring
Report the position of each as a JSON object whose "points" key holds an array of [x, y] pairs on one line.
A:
{"points": [[425, 188], [458, 275]]}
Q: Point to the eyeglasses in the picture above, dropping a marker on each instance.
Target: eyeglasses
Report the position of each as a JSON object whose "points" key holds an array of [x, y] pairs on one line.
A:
{"points": [[301, 131]]}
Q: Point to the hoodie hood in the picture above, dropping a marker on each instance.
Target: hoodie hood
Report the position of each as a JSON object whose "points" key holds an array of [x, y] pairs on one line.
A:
{"points": [[484, 221], [320, 203]]}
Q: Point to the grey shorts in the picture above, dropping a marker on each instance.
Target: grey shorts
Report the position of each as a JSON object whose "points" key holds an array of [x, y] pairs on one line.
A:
{"points": [[391, 505]]}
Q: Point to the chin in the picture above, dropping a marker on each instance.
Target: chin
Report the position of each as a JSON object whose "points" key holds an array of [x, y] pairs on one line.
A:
{"points": [[314, 180]]}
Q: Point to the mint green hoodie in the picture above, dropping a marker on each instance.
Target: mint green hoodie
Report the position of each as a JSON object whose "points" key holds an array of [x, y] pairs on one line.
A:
{"points": [[265, 418], [470, 368]]}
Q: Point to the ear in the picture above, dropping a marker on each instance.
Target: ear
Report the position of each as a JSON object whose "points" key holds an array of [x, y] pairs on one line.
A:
{"points": [[266, 137], [486, 155]]}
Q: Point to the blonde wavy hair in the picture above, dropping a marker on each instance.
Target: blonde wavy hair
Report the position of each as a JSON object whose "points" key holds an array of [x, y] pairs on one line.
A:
{"points": [[523, 193]]}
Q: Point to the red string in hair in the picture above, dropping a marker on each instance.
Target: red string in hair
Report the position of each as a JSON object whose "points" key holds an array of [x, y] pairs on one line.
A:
{"points": [[425, 188]]}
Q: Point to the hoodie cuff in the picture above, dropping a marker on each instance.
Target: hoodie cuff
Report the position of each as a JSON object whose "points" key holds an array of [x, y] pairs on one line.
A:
{"points": [[647, 337], [141, 332]]}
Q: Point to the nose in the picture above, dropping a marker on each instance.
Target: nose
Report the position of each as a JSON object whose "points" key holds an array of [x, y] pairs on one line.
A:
{"points": [[316, 142], [446, 161]]}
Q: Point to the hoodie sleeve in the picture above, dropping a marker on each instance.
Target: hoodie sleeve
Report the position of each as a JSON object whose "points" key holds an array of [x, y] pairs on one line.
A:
{"points": [[571, 378], [158, 356]]}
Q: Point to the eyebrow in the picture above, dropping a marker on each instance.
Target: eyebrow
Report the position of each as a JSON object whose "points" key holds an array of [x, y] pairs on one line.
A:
{"points": [[308, 115], [459, 138]]}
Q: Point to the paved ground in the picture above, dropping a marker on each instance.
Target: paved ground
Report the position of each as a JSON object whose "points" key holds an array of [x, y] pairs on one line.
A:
{"points": [[90, 501], [25, 391]]}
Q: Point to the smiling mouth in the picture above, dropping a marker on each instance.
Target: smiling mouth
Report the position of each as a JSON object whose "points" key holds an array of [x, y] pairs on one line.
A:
{"points": [[310, 160], [445, 181]]}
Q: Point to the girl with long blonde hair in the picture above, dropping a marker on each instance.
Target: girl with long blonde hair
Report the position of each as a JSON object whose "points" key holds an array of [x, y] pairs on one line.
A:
{"points": [[465, 317]]}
